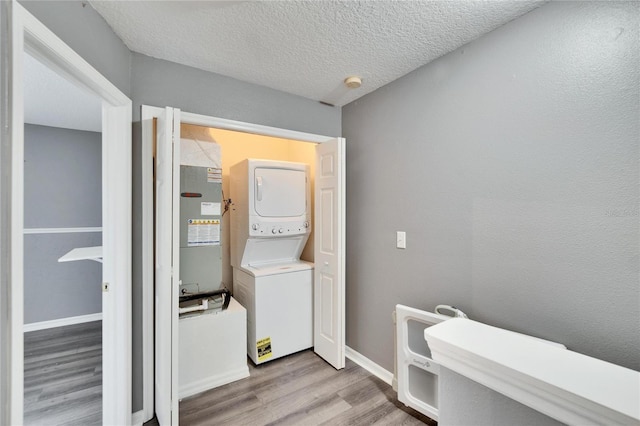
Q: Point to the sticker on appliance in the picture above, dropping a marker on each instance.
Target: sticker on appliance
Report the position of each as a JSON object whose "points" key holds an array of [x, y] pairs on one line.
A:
{"points": [[208, 208], [264, 348], [214, 175], [203, 232]]}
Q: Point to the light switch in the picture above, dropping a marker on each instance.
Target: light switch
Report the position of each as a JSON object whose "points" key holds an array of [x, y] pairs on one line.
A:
{"points": [[401, 240]]}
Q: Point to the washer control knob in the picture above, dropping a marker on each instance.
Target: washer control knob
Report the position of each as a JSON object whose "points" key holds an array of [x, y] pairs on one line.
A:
{"points": [[306, 224], [255, 226], [273, 231], [281, 230]]}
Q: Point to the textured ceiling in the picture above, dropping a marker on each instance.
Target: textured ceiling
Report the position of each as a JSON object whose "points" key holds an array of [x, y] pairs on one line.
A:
{"points": [[306, 47]]}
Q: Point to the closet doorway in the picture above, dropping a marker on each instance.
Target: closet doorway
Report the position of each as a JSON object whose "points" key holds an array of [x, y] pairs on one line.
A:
{"points": [[163, 125]]}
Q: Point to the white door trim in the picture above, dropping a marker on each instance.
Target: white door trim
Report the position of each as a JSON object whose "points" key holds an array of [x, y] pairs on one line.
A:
{"points": [[257, 129], [148, 265], [6, 100], [16, 318], [30, 35], [147, 115], [165, 396]]}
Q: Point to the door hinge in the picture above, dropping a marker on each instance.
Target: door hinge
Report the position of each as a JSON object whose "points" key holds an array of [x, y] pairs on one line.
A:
{"points": [[105, 287]]}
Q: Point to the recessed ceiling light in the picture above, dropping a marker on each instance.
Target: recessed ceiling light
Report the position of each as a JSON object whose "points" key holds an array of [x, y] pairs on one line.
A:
{"points": [[353, 82]]}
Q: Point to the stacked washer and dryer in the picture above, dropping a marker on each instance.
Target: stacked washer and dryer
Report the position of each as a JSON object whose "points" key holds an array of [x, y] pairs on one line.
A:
{"points": [[270, 225]]}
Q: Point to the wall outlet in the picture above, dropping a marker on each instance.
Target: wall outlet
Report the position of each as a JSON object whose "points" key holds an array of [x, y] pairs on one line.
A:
{"points": [[401, 240]]}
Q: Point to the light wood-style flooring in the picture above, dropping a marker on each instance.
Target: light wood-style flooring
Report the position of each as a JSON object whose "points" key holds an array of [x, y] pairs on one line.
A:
{"points": [[63, 375], [63, 386], [301, 389]]}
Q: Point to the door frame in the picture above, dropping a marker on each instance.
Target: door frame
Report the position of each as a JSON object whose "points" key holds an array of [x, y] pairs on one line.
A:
{"points": [[30, 35], [147, 114]]}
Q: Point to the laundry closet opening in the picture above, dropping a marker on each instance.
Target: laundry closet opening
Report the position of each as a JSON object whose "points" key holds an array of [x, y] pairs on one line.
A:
{"points": [[201, 165], [245, 218], [238, 146]]}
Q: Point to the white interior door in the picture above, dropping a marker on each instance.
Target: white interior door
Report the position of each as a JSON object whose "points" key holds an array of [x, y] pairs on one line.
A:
{"points": [[167, 267], [329, 290]]}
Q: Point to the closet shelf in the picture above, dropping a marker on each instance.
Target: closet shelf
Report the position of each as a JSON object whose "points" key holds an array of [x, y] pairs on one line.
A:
{"points": [[565, 385], [83, 253]]}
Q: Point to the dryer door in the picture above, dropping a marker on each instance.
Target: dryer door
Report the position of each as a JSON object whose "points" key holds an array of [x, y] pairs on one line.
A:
{"points": [[280, 192]]}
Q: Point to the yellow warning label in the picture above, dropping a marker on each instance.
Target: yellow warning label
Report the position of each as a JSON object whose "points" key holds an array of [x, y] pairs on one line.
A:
{"points": [[204, 222], [264, 349], [203, 232]]}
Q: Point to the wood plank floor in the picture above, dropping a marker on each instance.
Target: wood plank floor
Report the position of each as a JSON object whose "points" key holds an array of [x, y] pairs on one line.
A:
{"points": [[63, 375], [63, 386], [301, 389]]}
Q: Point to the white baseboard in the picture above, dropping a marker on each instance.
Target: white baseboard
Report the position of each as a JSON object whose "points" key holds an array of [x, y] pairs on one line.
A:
{"points": [[43, 325], [213, 382], [137, 418], [369, 365]]}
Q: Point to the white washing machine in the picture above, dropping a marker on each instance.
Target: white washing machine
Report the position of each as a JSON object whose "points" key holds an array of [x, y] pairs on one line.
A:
{"points": [[279, 299]]}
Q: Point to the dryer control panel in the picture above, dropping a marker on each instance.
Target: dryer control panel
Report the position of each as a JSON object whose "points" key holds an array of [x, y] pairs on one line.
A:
{"points": [[279, 229]]}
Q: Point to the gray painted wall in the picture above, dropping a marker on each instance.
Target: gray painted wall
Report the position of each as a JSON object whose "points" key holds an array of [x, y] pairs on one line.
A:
{"points": [[62, 189], [160, 83], [512, 164], [54, 290], [62, 177], [137, 363]]}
